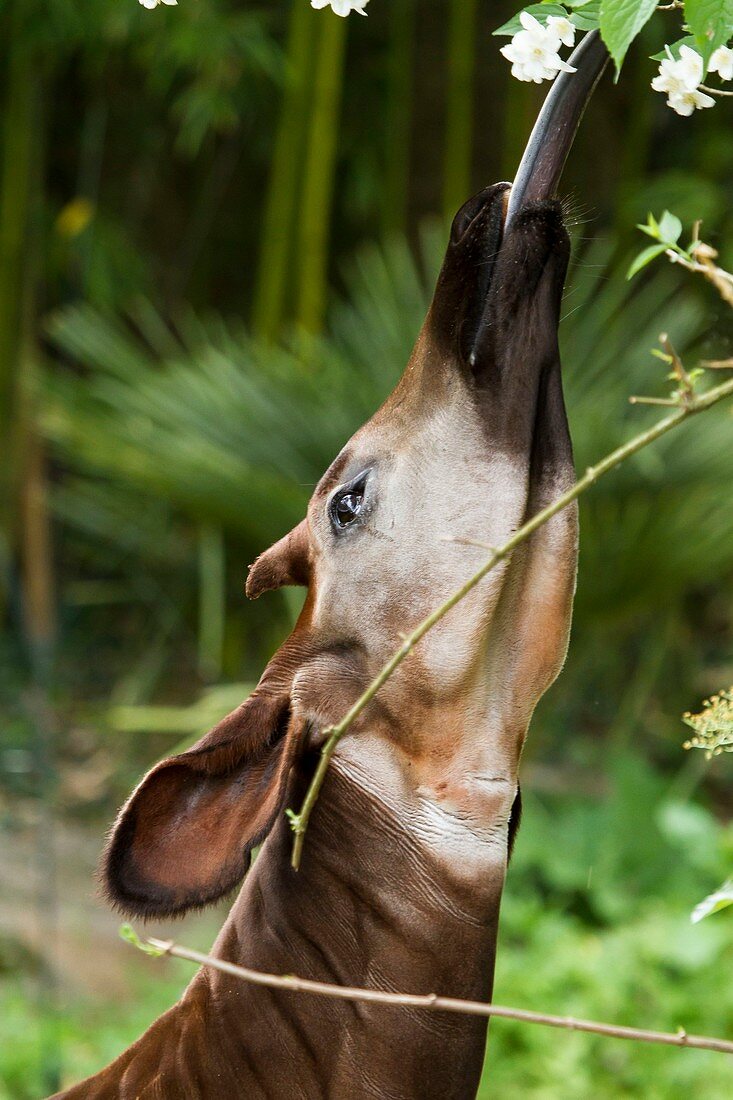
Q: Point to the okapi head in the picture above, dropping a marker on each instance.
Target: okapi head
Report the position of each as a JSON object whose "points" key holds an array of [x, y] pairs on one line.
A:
{"points": [[472, 442]]}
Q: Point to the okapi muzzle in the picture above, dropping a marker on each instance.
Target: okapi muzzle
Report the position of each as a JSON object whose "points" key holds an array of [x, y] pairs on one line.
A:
{"points": [[406, 853]]}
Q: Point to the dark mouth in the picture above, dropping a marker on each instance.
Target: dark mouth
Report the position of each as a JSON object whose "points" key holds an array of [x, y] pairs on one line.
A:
{"points": [[490, 213], [481, 228]]}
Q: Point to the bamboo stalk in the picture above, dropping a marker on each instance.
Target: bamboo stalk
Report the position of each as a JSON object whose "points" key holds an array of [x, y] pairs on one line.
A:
{"points": [[15, 195], [458, 150], [278, 222], [212, 601], [318, 173], [400, 77]]}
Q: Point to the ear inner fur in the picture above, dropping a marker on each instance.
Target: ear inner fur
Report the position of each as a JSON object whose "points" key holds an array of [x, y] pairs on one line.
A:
{"points": [[184, 838]]}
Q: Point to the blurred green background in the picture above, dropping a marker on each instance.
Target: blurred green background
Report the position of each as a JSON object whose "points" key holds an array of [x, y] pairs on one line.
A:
{"points": [[219, 226]]}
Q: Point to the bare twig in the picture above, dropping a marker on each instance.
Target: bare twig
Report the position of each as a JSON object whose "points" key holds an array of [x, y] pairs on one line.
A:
{"points": [[714, 91], [433, 1002], [687, 407], [686, 391], [717, 364], [703, 263], [668, 402]]}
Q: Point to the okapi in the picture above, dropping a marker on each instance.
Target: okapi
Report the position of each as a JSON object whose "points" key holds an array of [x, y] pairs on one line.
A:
{"points": [[405, 857]]}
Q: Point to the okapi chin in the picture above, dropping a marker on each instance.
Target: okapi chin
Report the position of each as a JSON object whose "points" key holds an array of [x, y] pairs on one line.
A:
{"points": [[404, 862]]}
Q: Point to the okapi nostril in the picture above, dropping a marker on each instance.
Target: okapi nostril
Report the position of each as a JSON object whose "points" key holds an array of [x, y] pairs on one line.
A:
{"points": [[462, 222], [471, 211]]}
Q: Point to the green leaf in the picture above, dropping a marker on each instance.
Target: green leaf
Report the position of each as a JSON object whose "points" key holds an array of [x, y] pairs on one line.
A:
{"points": [[674, 48], [713, 903], [128, 933], [588, 18], [645, 257], [670, 228], [651, 228], [539, 11], [621, 21], [711, 22]]}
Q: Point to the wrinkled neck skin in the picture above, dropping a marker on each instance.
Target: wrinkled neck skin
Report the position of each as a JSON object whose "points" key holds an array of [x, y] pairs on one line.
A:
{"points": [[408, 904], [393, 893], [371, 906]]}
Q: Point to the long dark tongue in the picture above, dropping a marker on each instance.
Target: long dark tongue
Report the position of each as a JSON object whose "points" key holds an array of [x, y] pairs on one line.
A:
{"points": [[552, 137]]}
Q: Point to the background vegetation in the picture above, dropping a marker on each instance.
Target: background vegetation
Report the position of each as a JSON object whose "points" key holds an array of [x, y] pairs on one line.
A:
{"points": [[219, 225]]}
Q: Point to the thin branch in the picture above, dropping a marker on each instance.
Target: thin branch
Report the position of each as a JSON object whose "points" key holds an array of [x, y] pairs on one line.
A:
{"points": [[714, 91], [703, 264], [299, 822], [717, 364], [435, 1003], [668, 402]]}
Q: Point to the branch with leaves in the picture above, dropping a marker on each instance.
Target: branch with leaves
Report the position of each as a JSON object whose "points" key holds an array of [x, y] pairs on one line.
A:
{"points": [[698, 257], [540, 31], [430, 1002], [713, 725]]}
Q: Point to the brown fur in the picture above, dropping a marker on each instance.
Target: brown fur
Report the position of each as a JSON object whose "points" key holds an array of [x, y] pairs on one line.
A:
{"points": [[406, 854]]}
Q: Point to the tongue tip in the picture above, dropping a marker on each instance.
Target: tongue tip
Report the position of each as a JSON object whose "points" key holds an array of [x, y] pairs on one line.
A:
{"points": [[551, 139]]}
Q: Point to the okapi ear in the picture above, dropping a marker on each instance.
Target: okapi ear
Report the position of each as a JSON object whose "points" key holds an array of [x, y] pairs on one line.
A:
{"points": [[184, 838], [287, 562]]}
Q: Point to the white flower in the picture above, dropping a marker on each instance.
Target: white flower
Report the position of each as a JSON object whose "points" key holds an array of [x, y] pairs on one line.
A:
{"points": [[722, 63], [150, 4], [341, 7], [533, 51], [563, 28], [680, 79], [676, 77], [684, 103], [690, 66]]}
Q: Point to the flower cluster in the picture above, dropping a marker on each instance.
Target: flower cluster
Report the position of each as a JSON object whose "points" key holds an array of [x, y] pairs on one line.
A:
{"points": [[342, 7], [681, 79], [713, 726], [534, 50], [150, 4]]}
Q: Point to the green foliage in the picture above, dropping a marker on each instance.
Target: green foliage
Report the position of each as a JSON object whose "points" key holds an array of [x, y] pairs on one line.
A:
{"points": [[541, 11], [713, 903], [595, 925], [675, 47], [221, 427], [584, 14], [212, 90], [129, 935], [667, 231], [711, 23], [621, 21]]}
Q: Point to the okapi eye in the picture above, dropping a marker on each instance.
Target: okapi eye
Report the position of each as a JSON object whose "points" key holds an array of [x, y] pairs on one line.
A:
{"points": [[348, 503]]}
